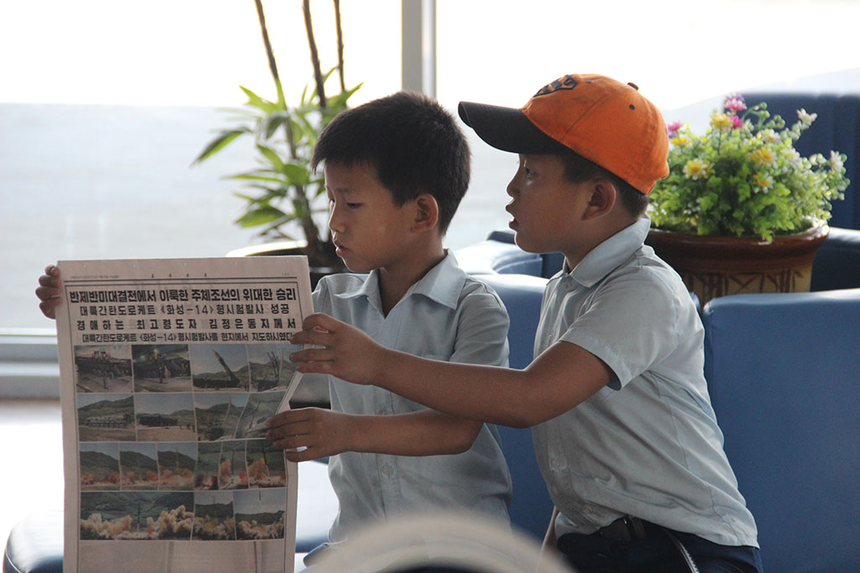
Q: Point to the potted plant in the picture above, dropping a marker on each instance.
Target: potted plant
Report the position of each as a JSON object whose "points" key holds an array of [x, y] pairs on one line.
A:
{"points": [[281, 192], [741, 209]]}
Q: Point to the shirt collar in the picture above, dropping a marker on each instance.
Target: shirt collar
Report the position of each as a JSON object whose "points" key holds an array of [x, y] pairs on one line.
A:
{"points": [[609, 254], [441, 284]]}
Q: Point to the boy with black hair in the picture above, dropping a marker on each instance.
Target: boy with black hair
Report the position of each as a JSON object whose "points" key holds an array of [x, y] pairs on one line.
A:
{"points": [[624, 431], [396, 169]]}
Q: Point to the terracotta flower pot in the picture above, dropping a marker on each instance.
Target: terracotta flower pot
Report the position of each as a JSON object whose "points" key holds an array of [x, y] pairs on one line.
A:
{"points": [[713, 266]]}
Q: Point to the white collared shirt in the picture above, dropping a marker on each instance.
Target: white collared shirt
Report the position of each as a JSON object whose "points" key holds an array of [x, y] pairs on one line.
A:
{"points": [[648, 444], [447, 315]]}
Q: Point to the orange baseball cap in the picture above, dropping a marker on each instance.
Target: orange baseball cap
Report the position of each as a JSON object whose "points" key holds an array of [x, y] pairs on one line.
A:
{"points": [[603, 120]]}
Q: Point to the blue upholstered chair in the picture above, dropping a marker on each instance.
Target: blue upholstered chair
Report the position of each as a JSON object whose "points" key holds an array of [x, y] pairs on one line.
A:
{"points": [[837, 261], [836, 266], [499, 255], [837, 128], [783, 372], [531, 507]]}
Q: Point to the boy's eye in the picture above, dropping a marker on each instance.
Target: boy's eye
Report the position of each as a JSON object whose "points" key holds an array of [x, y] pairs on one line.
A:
{"points": [[528, 172], [331, 204]]}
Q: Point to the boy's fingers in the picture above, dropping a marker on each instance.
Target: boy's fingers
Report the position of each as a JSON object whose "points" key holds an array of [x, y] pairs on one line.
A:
{"points": [[49, 307], [52, 270], [311, 355], [279, 419], [289, 430], [315, 337], [46, 293], [50, 303], [288, 442], [47, 311], [315, 367], [302, 456], [320, 321]]}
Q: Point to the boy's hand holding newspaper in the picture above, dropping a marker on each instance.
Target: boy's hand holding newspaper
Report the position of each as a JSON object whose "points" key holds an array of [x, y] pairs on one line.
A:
{"points": [[340, 350]]}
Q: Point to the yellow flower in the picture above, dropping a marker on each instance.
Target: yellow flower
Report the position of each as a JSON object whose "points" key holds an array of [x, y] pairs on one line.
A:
{"points": [[681, 141], [721, 121], [763, 181], [763, 157], [697, 168]]}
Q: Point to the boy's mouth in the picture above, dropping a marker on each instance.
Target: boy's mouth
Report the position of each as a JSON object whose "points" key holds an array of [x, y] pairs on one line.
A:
{"points": [[514, 221], [340, 250]]}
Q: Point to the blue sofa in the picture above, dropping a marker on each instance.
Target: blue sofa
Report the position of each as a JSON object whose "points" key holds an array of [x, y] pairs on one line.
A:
{"points": [[531, 506], [836, 266], [782, 371]]}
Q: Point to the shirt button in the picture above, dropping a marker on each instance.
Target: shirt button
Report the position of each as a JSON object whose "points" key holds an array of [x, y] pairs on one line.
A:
{"points": [[557, 464], [387, 470]]}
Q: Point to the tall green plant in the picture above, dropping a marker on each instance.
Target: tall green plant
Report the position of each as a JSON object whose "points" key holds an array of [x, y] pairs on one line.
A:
{"points": [[282, 189]]}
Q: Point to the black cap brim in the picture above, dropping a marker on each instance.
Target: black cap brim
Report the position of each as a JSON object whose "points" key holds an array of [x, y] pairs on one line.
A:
{"points": [[508, 129]]}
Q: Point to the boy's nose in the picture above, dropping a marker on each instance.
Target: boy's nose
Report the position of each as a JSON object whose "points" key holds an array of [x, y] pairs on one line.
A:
{"points": [[335, 221]]}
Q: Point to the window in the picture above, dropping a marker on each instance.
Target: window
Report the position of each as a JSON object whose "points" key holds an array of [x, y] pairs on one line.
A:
{"points": [[104, 104]]}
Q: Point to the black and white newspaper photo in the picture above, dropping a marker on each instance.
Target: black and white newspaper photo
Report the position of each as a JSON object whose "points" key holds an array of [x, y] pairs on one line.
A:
{"points": [[170, 370]]}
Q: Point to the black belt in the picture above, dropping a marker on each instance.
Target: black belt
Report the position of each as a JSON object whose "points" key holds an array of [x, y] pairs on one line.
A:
{"points": [[628, 528]]}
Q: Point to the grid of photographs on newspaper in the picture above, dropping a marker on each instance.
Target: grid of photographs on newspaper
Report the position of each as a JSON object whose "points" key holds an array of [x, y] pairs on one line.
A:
{"points": [[172, 440]]}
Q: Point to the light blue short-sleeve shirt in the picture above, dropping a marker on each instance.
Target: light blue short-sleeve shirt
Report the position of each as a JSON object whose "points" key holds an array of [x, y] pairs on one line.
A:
{"points": [[447, 315], [648, 444]]}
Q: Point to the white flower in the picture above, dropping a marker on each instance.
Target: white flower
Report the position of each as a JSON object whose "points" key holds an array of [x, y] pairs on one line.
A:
{"points": [[768, 136], [793, 158], [836, 161], [806, 118]]}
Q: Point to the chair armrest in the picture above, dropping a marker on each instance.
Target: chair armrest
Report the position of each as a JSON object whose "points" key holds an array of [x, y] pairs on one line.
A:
{"points": [[837, 261]]}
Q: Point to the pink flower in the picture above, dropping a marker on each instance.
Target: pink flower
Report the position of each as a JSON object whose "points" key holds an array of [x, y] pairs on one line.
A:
{"points": [[673, 128], [736, 122], [735, 102]]}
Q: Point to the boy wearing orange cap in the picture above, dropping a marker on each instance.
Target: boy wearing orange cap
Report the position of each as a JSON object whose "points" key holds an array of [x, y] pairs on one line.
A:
{"points": [[624, 431]]}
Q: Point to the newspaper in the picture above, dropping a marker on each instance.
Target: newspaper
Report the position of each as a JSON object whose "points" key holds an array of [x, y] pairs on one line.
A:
{"points": [[169, 372]]}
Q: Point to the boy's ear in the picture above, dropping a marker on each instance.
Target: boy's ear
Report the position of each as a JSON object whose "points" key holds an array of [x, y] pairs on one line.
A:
{"points": [[604, 195], [426, 212]]}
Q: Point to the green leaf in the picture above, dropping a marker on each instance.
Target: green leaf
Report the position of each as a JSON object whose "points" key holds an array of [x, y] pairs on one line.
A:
{"points": [[275, 121], [272, 156], [262, 216], [219, 143], [254, 177], [258, 102], [296, 174]]}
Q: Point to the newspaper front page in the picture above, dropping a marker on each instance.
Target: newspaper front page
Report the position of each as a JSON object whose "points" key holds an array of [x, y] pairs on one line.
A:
{"points": [[169, 371]]}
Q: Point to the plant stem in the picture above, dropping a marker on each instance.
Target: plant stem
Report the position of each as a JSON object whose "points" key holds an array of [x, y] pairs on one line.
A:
{"points": [[339, 45], [308, 225], [315, 58], [273, 67]]}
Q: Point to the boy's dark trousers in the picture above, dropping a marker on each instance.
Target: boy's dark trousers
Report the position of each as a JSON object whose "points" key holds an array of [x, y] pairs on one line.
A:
{"points": [[630, 545]]}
